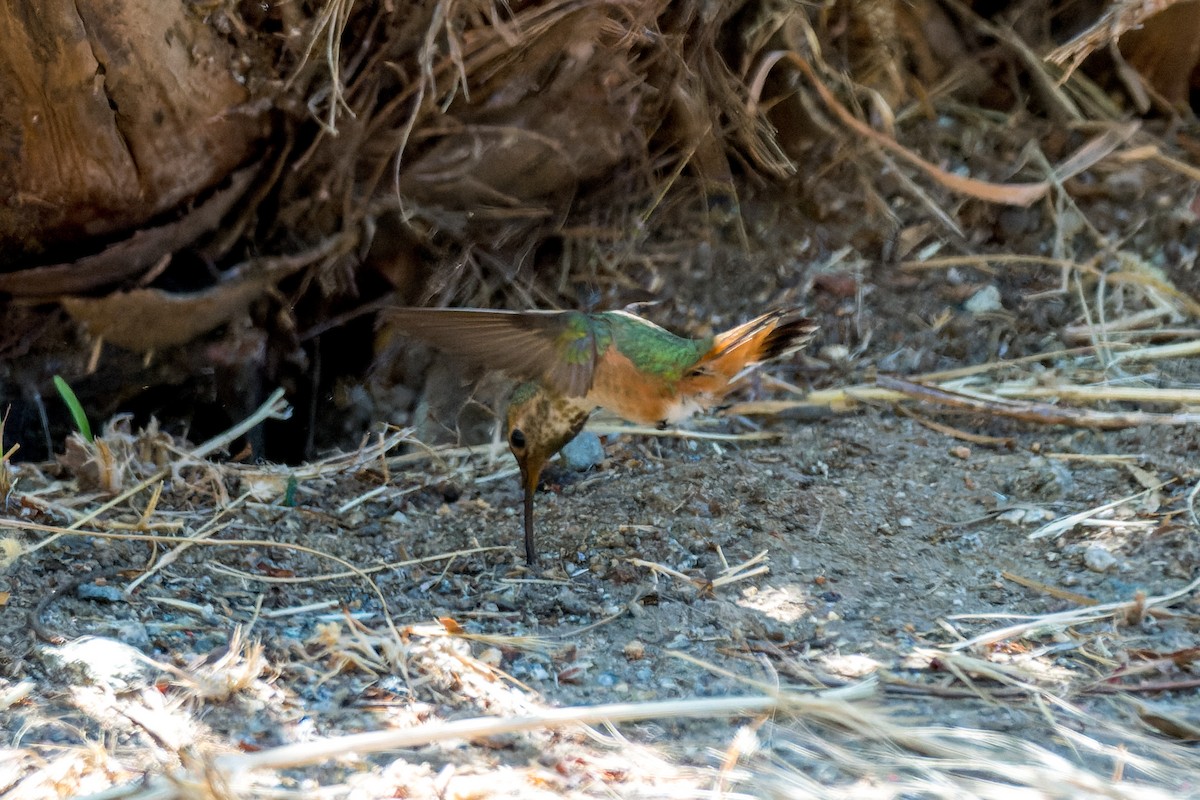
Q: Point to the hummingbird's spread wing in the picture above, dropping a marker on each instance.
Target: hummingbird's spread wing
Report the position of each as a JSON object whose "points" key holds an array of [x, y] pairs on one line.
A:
{"points": [[556, 348]]}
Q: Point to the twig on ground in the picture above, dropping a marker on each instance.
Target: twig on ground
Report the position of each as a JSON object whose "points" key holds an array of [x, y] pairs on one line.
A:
{"points": [[1060, 526], [1053, 591], [1041, 413], [1066, 619]]}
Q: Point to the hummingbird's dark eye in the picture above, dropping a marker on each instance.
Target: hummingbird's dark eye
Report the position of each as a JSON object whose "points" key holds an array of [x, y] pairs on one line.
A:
{"points": [[517, 438]]}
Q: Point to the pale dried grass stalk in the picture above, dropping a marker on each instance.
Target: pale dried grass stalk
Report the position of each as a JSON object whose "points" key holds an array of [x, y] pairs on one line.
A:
{"points": [[1065, 619]]}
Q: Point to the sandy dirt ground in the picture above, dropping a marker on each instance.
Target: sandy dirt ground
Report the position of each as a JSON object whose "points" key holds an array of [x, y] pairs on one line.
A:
{"points": [[894, 602]]}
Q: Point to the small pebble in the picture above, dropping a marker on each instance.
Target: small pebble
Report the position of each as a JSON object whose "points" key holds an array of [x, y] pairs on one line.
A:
{"points": [[133, 633], [583, 452], [985, 300], [905, 522], [1098, 559], [94, 591], [1017, 221], [836, 353], [680, 642], [842, 285]]}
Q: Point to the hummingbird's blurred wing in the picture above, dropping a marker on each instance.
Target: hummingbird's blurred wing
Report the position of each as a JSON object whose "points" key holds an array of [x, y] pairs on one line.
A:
{"points": [[555, 348]]}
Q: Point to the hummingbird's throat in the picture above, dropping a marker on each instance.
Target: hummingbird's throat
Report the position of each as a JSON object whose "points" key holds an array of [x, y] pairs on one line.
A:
{"points": [[546, 421]]}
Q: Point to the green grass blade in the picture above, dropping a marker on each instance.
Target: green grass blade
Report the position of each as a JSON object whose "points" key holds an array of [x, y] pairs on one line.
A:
{"points": [[75, 407]]}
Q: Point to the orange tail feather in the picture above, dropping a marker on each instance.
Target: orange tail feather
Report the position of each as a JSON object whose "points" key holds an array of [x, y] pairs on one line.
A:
{"points": [[773, 335]]}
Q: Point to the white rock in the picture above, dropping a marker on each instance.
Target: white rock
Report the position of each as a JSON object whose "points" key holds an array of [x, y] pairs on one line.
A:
{"points": [[104, 661], [986, 299]]}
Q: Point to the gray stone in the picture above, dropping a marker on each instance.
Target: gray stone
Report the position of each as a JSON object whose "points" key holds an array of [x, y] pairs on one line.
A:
{"points": [[1098, 559], [583, 452]]}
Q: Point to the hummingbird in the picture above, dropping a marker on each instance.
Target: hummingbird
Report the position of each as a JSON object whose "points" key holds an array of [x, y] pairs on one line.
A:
{"points": [[572, 363]]}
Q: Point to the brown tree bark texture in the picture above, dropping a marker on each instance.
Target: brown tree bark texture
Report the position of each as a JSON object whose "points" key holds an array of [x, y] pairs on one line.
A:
{"points": [[113, 112]]}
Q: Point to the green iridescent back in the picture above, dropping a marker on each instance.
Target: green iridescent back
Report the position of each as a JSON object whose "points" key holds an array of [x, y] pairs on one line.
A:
{"points": [[651, 349], [582, 339]]}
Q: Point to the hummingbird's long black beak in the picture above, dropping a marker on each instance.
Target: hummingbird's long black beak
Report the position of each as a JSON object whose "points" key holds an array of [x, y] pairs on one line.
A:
{"points": [[530, 473], [530, 548]]}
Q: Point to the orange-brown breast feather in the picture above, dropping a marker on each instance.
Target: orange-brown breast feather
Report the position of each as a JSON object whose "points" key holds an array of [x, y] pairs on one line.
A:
{"points": [[628, 392]]}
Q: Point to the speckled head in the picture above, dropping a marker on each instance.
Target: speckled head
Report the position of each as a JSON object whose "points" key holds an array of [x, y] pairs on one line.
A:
{"points": [[539, 424]]}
